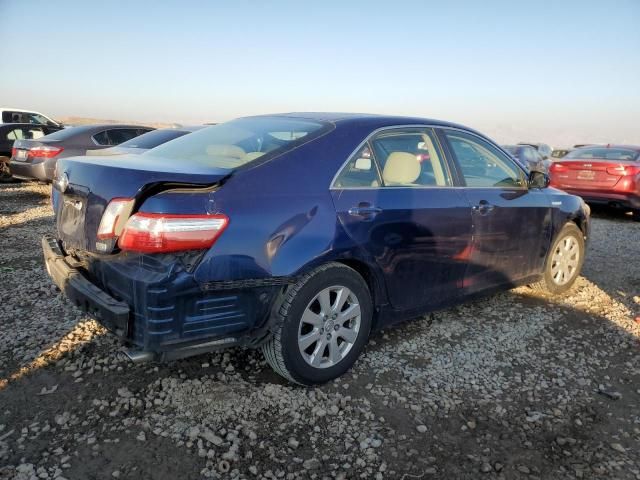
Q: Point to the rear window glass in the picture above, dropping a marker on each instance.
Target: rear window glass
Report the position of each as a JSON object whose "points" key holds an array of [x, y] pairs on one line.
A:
{"points": [[621, 154], [66, 133], [232, 144], [153, 139]]}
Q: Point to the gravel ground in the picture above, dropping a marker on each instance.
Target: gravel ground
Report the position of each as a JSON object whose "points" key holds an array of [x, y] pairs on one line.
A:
{"points": [[514, 386]]}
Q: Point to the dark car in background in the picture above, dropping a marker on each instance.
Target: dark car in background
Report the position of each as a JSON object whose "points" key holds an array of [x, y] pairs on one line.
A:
{"points": [[528, 156], [36, 159], [543, 149], [145, 141], [608, 174], [300, 233], [10, 132]]}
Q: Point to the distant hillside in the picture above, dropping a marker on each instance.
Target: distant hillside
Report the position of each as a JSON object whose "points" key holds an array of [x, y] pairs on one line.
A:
{"points": [[88, 121]]}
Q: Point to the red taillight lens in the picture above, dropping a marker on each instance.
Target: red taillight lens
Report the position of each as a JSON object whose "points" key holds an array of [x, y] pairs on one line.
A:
{"points": [[45, 151], [156, 232], [557, 167], [623, 170], [113, 217], [14, 150]]}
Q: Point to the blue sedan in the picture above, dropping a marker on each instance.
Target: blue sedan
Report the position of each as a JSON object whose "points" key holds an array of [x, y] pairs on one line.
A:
{"points": [[299, 234]]}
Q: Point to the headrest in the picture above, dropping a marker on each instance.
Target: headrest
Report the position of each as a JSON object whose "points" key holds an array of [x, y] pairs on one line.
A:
{"points": [[232, 151], [401, 168]]}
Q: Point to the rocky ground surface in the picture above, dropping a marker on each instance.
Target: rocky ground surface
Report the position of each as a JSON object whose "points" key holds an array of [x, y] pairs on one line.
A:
{"points": [[513, 386]]}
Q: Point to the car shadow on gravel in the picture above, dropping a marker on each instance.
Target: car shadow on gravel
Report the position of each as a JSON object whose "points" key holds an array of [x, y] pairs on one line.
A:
{"points": [[523, 432]]}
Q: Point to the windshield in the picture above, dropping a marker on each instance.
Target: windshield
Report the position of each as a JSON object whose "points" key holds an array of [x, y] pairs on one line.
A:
{"points": [[232, 144], [153, 139], [604, 153]]}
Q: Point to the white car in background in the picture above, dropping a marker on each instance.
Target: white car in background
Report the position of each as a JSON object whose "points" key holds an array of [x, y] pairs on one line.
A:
{"points": [[19, 115]]}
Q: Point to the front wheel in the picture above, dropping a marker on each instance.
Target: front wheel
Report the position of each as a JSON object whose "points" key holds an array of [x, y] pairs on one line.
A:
{"points": [[564, 261], [323, 324]]}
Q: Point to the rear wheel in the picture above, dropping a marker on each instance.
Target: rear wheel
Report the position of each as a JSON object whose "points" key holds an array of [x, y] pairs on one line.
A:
{"points": [[323, 324], [636, 214], [5, 174], [564, 261]]}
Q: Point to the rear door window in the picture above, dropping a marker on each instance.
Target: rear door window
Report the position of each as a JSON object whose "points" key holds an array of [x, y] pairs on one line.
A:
{"points": [[410, 157]]}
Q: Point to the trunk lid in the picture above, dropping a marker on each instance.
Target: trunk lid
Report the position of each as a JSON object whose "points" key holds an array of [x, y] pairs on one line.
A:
{"points": [[590, 174], [85, 185]]}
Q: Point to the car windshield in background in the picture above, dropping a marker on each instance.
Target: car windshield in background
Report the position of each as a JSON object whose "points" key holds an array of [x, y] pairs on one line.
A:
{"points": [[153, 139], [621, 154], [232, 144]]}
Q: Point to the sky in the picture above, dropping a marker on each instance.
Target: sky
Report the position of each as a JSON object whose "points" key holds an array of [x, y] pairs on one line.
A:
{"points": [[559, 72]]}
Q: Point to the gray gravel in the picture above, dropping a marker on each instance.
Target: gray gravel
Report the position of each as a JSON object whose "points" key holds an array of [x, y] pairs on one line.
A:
{"points": [[513, 386]]}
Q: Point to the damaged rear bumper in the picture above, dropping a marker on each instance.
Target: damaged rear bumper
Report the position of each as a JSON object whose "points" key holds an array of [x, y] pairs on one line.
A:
{"points": [[155, 306]]}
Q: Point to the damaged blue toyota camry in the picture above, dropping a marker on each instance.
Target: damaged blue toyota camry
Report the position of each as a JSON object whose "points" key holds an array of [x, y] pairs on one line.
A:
{"points": [[299, 234]]}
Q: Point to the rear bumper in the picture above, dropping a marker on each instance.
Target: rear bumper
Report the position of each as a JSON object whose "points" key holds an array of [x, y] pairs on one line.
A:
{"points": [[627, 200], [156, 306], [31, 171], [110, 312]]}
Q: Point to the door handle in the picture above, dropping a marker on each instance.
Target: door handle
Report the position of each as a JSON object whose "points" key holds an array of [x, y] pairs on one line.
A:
{"points": [[483, 207], [364, 211]]}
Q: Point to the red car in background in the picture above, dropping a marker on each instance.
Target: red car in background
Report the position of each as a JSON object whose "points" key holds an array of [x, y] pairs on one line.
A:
{"points": [[605, 174]]}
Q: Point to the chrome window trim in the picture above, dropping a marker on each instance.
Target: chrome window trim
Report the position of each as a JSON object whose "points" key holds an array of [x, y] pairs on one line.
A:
{"points": [[425, 187], [369, 137]]}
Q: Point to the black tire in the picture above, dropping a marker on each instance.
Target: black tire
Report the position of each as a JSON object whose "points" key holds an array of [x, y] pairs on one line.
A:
{"points": [[636, 215], [547, 284], [282, 351]]}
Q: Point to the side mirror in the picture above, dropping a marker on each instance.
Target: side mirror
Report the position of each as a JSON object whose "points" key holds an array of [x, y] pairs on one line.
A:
{"points": [[538, 179]]}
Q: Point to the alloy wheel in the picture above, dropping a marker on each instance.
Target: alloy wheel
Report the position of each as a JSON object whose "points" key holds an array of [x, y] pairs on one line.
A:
{"points": [[329, 327], [565, 260]]}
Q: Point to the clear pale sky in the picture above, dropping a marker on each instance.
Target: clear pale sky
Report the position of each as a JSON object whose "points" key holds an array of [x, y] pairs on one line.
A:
{"points": [[555, 71]]}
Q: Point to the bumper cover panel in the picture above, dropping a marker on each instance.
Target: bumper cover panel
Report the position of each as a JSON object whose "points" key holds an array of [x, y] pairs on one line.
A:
{"points": [[113, 314]]}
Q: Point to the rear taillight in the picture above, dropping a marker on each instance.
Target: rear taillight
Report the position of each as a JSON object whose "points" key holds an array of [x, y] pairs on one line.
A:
{"points": [[156, 232], [14, 150], [44, 151], [114, 218], [623, 170], [557, 167]]}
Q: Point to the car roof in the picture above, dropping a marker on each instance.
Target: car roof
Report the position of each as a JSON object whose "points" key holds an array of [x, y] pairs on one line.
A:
{"points": [[611, 145], [22, 124], [105, 126], [371, 119], [19, 110]]}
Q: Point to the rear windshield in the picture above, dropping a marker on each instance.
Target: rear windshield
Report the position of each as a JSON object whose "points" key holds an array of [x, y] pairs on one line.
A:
{"points": [[65, 133], [153, 139], [621, 154], [232, 144]]}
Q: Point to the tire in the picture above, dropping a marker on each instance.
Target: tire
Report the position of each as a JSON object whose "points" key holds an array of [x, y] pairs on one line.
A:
{"points": [[635, 215], [317, 363], [569, 233]]}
